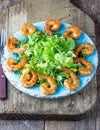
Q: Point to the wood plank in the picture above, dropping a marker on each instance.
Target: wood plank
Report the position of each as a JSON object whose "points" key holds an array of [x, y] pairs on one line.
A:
{"points": [[98, 120], [91, 7], [3, 23], [21, 125], [21, 106], [88, 123], [7, 3]]}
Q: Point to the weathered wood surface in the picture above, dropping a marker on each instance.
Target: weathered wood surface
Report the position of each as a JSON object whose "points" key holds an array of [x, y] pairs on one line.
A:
{"points": [[91, 7], [21, 106], [21, 125], [87, 124], [90, 123], [7, 3]]}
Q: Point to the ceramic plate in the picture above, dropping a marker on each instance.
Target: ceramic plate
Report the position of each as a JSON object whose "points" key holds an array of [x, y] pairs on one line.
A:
{"points": [[61, 91]]}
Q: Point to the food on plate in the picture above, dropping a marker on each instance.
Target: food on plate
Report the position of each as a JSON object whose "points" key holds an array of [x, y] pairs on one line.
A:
{"points": [[29, 80], [52, 26], [50, 86], [27, 29], [73, 32], [11, 45], [84, 71], [73, 83], [12, 65], [85, 48], [48, 58]]}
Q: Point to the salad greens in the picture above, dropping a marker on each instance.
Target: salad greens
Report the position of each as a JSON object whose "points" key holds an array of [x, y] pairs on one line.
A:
{"points": [[48, 54]]}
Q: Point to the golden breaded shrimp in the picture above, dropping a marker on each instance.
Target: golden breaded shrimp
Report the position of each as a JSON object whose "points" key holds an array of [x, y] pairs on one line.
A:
{"points": [[27, 29], [72, 32], [27, 80], [85, 48], [50, 87], [11, 46], [71, 85], [84, 71], [13, 66], [52, 26]]}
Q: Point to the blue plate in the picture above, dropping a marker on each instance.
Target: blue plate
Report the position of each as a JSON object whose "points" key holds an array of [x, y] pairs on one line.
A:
{"points": [[61, 91]]}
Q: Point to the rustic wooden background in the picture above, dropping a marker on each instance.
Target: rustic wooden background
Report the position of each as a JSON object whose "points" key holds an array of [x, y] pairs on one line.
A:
{"points": [[21, 106], [92, 122]]}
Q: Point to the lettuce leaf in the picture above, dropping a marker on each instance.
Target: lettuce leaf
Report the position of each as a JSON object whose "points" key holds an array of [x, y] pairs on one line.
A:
{"points": [[48, 54]]}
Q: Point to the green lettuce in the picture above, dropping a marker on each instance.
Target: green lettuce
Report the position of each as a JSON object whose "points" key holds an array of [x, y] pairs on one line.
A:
{"points": [[48, 54]]}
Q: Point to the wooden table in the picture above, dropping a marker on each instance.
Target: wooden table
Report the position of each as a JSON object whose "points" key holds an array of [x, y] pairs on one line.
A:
{"points": [[66, 12]]}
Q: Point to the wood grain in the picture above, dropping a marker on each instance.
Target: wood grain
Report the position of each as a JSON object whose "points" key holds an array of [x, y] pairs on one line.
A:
{"points": [[3, 23], [21, 106], [21, 125], [3, 85], [87, 124], [7, 3], [91, 7]]}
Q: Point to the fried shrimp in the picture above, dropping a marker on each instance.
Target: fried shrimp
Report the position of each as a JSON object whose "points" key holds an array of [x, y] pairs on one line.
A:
{"points": [[85, 49], [50, 87], [88, 67], [52, 26], [71, 85], [27, 29], [11, 46], [28, 80], [13, 66], [72, 32]]}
